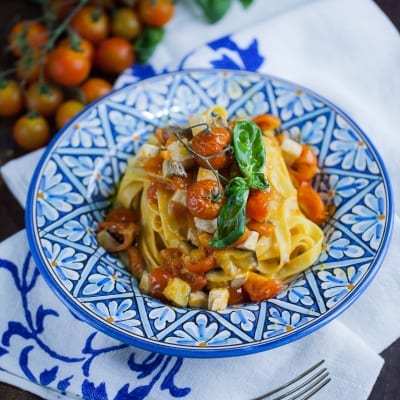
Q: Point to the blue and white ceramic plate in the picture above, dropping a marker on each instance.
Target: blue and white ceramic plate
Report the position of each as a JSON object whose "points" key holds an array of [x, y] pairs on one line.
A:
{"points": [[72, 184]]}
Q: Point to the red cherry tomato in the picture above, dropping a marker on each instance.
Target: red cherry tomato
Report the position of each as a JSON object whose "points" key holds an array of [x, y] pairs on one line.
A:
{"points": [[68, 67], [81, 46], [27, 34], [44, 99], [114, 55], [261, 288], [200, 199], [91, 23], [156, 12], [211, 143], [158, 279], [94, 88], [257, 204], [121, 214]]}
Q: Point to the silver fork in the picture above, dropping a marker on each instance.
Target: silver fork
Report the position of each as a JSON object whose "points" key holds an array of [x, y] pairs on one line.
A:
{"points": [[302, 387]]}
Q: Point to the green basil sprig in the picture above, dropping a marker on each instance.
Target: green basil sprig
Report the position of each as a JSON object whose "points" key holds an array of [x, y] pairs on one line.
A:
{"points": [[248, 148], [232, 216]]}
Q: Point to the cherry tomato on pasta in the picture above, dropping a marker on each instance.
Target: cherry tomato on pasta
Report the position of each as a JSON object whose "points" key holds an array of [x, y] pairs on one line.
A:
{"points": [[158, 280], [198, 260], [156, 12], [91, 23], [260, 288], [31, 131], [211, 143], [306, 166], [201, 199], [310, 203], [11, 98], [257, 204], [121, 214]]}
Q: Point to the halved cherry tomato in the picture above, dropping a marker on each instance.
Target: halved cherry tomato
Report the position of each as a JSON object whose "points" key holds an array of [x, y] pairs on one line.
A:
{"points": [[199, 261], [237, 296], [196, 281], [125, 23], [137, 264], [94, 88], [310, 202], [156, 12], [158, 280], [263, 228], [261, 288], [211, 143], [267, 122], [68, 67], [27, 35], [31, 131], [43, 98], [91, 23], [11, 98], [121, 214], [171, 260], [113, 55], [201, 199], [306, 166], [124, 232], [67, 111], [257, 204]]}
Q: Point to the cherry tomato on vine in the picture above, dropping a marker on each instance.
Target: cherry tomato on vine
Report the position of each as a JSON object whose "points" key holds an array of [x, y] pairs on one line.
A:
{"points": [[125, 23], [67, 111], [11, 98], [31, 131], [94, 88], [211, 143], [27, 35], [68, 67], [30, 65], [156, 12], [261, 288], [82, 46], [91, 23], [61, 8], [43, 98], [200, 199], [113, 55]]}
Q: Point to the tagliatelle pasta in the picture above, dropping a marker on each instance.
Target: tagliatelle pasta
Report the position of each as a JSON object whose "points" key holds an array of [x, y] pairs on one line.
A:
{"points": [[216, 212]]}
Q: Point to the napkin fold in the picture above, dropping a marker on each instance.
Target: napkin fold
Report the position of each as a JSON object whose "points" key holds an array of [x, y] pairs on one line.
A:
{"points": [[322, 45]]}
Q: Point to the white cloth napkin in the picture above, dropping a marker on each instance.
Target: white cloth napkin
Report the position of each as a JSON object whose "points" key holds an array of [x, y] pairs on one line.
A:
{"points": [[345, 50]]}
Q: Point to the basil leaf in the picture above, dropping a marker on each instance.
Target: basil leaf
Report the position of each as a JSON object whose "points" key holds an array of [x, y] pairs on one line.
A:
{"points": [[246, 3], [214, 10], [249, 152], [147, 42], [231, 222]]}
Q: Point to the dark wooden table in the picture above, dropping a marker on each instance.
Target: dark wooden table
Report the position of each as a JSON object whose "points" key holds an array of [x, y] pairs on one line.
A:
{"points": [[387, 386]]}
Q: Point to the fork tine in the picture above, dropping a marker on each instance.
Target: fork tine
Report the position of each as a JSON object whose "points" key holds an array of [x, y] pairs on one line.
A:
{"points": [[316, 389], [301, 384]]}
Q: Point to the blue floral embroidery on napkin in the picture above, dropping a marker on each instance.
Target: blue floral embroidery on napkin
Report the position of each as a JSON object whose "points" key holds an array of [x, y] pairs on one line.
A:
{"points": [[158, 369], [226, 53]]}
